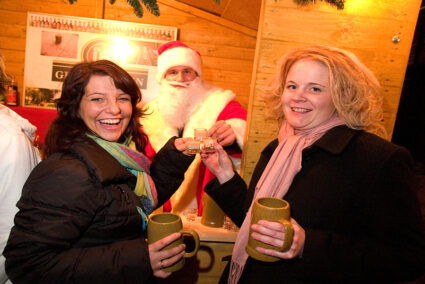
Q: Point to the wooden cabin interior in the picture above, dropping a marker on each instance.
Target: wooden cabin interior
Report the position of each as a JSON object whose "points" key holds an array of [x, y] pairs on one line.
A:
{"points": [[241, 42]]}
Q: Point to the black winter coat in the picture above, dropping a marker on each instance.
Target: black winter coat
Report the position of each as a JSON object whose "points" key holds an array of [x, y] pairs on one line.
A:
{"points": [[355, 197], [78, 222]]}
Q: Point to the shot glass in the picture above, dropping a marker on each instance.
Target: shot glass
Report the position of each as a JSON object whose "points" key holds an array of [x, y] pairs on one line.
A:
{"points": [[208, 144], [190, 214], [193, 146], [200, 134]]}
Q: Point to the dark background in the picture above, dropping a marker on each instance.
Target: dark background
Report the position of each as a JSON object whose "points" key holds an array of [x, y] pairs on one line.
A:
{"points": [[409, 129]]}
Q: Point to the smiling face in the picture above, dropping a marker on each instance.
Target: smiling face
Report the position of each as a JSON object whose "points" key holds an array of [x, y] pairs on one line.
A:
{"points": [[105, 110], [306, 99]]}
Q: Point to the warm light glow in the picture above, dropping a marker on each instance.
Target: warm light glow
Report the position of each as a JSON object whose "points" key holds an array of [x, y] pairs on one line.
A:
{"points": [[121, 50], [360, 6]]}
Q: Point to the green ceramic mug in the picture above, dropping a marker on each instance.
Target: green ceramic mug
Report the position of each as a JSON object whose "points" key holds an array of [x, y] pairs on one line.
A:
{"points": [[164, 224], [212, 214], [270, 209]]}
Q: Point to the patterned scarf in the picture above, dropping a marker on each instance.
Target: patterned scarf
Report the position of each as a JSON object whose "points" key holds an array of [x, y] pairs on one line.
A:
{"points": [[138, 164], [276, 179]]}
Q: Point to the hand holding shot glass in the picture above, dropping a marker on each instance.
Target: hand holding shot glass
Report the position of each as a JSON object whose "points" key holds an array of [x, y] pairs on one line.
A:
{"points": [[201, 142]]}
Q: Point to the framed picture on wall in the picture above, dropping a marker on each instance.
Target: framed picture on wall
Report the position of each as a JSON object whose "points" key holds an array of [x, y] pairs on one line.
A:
{"points": [[54, 43]]}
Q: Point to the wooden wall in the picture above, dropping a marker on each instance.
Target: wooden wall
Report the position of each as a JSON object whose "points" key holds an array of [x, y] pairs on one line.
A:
{"points": [[13, 20], [227, 48], [364, 27]]}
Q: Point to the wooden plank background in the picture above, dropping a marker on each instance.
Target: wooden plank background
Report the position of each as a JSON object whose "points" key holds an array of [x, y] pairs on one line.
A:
{"points": [[364, 27], [227, 48]]}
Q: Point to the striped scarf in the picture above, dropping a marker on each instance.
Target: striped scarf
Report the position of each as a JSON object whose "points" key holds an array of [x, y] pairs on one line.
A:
{"points": [[138, 164]]}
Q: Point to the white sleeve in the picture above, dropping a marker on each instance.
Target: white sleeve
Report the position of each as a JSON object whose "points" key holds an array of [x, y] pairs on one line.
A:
{"points": [[18, 158]]}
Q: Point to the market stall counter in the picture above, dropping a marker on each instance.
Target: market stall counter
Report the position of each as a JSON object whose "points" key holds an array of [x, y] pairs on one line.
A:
{"points": [[214, 252]]}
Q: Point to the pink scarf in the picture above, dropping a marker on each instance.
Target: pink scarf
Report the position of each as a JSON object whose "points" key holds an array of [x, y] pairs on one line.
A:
{"points": [[276, 179]]}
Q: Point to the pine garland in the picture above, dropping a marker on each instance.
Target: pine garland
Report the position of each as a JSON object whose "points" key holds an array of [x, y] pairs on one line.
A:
{"points": [[338, 3], [151, 5]]}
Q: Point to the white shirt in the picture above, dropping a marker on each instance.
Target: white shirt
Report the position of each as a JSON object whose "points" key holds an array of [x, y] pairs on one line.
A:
{"points": [[18, 157]]}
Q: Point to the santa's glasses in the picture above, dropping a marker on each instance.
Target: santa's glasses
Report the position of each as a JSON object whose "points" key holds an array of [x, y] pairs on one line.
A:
{"points": [[180, 75]]}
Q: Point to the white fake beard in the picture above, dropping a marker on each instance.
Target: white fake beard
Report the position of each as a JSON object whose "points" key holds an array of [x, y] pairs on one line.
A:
{"points": [[177, 104]]}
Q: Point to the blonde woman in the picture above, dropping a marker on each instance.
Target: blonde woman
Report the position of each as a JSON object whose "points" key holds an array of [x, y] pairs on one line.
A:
{"points": [[353, 198]]}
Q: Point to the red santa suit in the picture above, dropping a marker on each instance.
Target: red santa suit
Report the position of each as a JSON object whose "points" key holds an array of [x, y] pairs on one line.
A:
{"points": [[205, 105], [218, 104]]}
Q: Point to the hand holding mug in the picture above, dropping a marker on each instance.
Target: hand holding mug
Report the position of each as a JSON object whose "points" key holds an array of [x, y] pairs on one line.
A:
{"points": [[274, 210], [164, 225], [160, 258], [272, 233]]}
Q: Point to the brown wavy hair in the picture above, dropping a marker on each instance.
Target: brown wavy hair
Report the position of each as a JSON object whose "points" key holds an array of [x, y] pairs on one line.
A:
{"points": [[69, 128], [356, 93]]}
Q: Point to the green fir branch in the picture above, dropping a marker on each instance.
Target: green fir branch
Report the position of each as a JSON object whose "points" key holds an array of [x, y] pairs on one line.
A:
{"points": [[339, 4], [137, 7], [152, 6]]}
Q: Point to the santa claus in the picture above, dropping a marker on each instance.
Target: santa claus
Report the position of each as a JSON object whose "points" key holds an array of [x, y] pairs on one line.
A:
{"points": [[186, 102]]}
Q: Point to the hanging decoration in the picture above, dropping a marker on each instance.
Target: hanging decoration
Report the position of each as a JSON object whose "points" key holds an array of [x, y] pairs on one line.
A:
{"points": [[338, 3], [151, 5]]}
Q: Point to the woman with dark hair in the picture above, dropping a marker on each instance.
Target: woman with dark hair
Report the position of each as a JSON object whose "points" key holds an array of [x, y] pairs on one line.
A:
{"points": [[83, 211]]}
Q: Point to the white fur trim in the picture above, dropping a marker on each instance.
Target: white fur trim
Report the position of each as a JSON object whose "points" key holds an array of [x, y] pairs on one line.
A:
{"points": [[159, 132], [178, 56], [185, 195], [206, 115], [239, 126], [155, 126]]}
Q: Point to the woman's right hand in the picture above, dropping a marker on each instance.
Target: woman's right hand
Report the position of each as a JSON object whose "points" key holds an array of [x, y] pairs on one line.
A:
{"points": [[181, 145], [160, 259], [218, 163]]}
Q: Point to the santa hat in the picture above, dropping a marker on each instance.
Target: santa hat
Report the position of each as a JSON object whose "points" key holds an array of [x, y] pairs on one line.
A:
{"points": [[176, 53]]}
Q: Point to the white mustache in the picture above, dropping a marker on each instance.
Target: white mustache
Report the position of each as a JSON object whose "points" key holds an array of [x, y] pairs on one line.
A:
{"points": [[182, 84]]}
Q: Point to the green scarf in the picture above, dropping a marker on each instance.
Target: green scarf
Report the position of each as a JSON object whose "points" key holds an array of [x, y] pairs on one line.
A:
{"points": [[138, 164]]}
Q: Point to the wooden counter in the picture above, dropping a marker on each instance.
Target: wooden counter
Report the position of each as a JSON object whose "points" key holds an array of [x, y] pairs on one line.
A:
{"points": [[210, 234], [208, 265]]}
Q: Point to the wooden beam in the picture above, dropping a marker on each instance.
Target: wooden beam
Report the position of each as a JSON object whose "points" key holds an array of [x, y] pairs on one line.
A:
{"points": [[209, 17]]}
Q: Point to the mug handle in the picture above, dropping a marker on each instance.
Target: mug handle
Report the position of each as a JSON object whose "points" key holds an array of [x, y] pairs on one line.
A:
{"points": [[195, 237], [289, 234]]}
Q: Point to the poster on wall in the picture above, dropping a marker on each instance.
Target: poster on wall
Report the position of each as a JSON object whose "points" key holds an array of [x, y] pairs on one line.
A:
{"points": [[54, 43]]}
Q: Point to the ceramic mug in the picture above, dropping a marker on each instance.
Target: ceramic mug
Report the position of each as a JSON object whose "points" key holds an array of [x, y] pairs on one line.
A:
{"points": [[212, 214], [275, 210], [164, 224]]}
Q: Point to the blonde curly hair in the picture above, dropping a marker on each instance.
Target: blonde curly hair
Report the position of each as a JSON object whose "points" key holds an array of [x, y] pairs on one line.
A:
{"points": [[356, 93]]}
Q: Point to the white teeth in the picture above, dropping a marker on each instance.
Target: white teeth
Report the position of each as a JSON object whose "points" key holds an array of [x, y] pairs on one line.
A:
{"points": [[300, 109], [110, 121]]}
